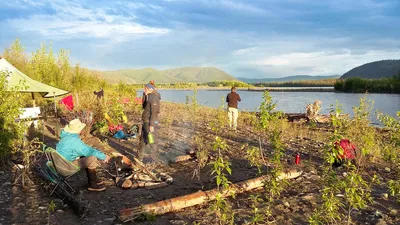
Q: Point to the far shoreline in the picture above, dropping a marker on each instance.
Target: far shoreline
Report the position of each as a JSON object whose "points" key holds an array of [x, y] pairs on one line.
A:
{"points": [[258, 89]]}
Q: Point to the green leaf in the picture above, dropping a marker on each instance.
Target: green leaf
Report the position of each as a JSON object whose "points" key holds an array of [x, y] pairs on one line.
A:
{"points": [[218, 181]]}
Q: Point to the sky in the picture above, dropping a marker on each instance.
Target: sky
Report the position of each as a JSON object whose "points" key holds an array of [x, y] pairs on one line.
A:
{"points": [[249, 38]]}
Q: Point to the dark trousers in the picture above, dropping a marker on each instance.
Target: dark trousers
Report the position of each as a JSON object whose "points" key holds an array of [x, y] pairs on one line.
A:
{"points": [[144, 141], [145, 133]]}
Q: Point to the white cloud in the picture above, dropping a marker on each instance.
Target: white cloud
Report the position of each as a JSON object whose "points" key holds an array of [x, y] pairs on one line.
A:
{"points": [[74, 20], [322, 63], [244, 51], [22, 4], [57, 27], [271, 40], [244, 7]]}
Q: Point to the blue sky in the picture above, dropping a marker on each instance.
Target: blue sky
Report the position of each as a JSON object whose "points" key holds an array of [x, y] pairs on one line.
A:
{"points": [[249, 38]]}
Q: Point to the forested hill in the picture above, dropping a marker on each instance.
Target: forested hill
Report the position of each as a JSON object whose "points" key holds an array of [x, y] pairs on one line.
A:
{"points": [[183, 74], [375, 70]]}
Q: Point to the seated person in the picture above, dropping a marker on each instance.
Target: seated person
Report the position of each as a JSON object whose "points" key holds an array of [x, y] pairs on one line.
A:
{"points": [[74, 150]]}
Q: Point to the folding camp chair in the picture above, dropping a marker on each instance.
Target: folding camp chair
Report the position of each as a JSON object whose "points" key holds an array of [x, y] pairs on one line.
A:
{"points": [[60, 167]]}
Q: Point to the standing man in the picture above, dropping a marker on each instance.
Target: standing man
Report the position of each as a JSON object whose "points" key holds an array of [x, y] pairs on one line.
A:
{"points": [[232, 99], [149, 117]]}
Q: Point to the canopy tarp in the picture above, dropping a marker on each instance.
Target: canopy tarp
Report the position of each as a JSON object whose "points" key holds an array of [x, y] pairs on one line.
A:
{"points": [[16, 76]]}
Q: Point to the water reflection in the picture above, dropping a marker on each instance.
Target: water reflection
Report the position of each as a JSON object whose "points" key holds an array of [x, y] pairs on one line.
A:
{"points": [[290, 102]]}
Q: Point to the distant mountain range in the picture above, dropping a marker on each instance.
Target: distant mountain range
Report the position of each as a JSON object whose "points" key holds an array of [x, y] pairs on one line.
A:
{"points": [[183, 74], [286, 79], [375, 70]]}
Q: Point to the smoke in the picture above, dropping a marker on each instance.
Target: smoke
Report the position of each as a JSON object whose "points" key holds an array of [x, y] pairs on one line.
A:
{"points": [[173, 140]]}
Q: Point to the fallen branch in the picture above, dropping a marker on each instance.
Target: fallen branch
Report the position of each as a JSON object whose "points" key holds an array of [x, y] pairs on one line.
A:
{"points": [[197, 198]]}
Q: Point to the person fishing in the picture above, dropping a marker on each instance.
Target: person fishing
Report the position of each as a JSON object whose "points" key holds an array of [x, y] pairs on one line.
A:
{"points": [[149, 118], [72, 148], [232, 99]]}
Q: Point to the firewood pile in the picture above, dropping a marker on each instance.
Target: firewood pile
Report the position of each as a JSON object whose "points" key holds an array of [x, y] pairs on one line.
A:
{"points": [[133, 175]]}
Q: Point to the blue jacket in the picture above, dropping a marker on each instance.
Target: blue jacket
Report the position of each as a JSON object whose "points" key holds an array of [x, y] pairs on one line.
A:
{"points": [[72, 147]]}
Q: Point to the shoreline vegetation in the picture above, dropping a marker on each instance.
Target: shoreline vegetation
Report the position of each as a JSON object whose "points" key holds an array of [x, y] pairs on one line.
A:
{"points": [[362, 85], [350, 85], [258, 89], [225, 85]]}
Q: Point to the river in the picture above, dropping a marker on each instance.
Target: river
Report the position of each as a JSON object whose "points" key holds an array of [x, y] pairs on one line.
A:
{"points": [[289, 102]]}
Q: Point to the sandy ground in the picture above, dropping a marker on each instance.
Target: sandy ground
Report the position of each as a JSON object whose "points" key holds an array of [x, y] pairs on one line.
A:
{"points": [[295, 205]]}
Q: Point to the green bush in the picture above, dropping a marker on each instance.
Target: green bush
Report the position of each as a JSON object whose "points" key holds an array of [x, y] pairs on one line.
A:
{"points": [[10, 109], [53, 69]]}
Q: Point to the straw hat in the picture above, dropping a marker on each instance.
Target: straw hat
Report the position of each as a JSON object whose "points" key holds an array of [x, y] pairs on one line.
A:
{"points": [[75, 126]]}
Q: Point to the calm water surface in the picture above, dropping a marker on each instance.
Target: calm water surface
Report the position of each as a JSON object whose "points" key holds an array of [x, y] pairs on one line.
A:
{"points": [[289, 102]]}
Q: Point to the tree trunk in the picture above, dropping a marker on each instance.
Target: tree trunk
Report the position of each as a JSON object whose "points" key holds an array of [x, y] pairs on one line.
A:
{"points": [[197, 198]]}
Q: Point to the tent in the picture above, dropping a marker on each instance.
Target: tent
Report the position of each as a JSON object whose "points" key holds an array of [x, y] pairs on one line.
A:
{"points": [[15, 76]]}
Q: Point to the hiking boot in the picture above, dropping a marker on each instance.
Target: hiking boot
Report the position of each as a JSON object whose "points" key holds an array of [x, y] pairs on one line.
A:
{"points": [[94, 183], [96, 187], [100, 182], [97, 181]]}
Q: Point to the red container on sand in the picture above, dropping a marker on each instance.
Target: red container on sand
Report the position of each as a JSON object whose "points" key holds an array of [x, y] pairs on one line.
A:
{"points": [[297, 159]]}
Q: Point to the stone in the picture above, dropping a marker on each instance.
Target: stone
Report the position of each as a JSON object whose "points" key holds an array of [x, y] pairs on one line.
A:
{"points": [[41, 207], [21, 204], [150, 197], [377, 213], [308, 197], [286, 204], [6, 184], [393, 212], [387, 169], [110, 219], [1, 172], [385, 195], [177, 222], [59, 211]]}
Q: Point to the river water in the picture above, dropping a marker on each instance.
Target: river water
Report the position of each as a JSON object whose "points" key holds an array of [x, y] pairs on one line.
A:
{"points": [[289, 102]]}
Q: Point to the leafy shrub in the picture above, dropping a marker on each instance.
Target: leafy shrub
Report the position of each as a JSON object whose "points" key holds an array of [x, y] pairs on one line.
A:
{"points": [[10, 109]]}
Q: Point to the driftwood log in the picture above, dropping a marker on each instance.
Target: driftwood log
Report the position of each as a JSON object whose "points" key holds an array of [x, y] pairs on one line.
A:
{"points": [[197, 198]]}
